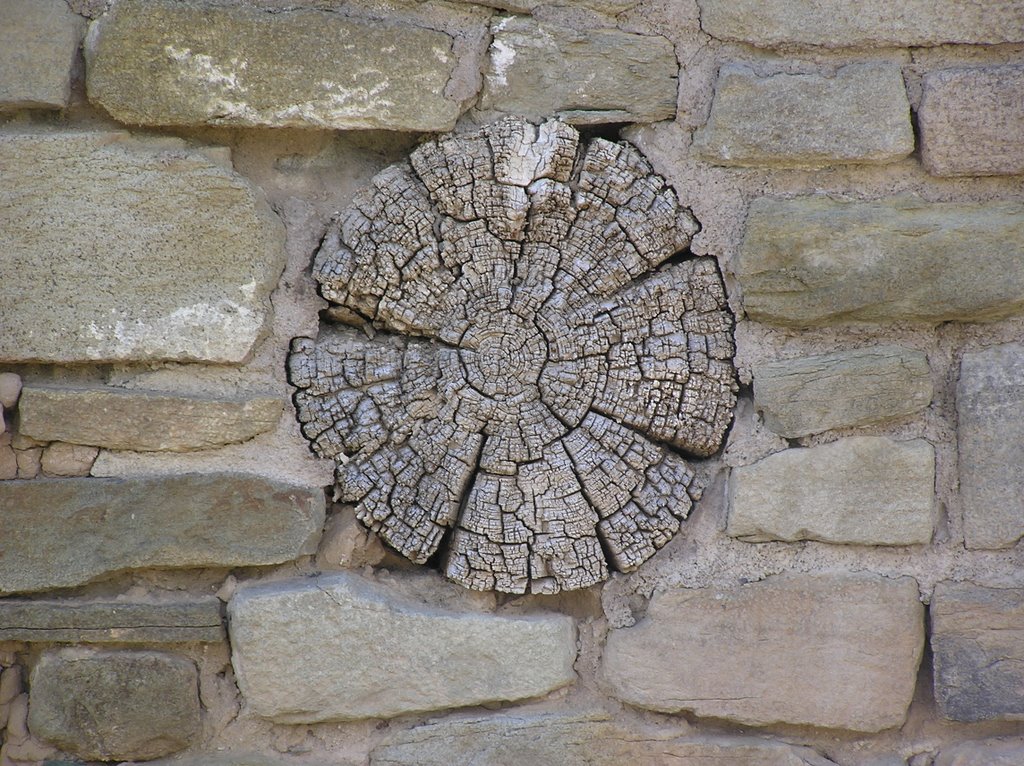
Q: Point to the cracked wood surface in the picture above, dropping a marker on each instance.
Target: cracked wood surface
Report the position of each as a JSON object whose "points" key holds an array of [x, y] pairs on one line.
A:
{"points": [[539, 362]]}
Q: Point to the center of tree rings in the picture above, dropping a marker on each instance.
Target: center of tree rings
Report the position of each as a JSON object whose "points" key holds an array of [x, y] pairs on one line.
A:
{"points": [[525, 352]]}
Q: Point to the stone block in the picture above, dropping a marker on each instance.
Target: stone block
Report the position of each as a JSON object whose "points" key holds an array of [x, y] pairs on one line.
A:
{"points": [[539, 69], [57, 533], [340, 647], [817, 261], [978, 646], [811, 394], [60, 459], [114, 705], [972, 121], [123, 248], [858, 115], [985, 752], [864, 490], [161, 62], [38, 44], [829, 650], [121, 419], [990, 438]]}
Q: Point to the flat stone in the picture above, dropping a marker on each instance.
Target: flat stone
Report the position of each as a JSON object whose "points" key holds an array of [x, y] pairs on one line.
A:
{"points": [[111, 621], [539, 69], [62, 532], [161, 62], [986, 752], [830, 650], [38, 44], [978, 646], [353, 649], [114, 705], [834, 24], [971, 121], [863, 490], [192, 261], [844, 389], [817, 261], [121, 419], [858, 115], [990, 438]]}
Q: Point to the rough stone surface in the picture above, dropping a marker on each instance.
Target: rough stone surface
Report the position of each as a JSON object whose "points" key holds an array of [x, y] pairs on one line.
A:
{"points": [[354, 649], [61, 532], [971, 121], [985, 752], [10, 389], [143, 420], [813, 260], [978, 646], [38, 43], [538, 69], [160, 62], [990, 415], [114, 705], [830, 650], [812, 394], [858, 115], [866, 490], [60, 459], [122, 248], [838, 24]]}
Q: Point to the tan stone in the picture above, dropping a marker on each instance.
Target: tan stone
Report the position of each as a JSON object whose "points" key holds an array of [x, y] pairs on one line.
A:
{"points": [[30, 462], [8, 463], [60, 459], [38, 44], [10, 389], [1007, 751]]}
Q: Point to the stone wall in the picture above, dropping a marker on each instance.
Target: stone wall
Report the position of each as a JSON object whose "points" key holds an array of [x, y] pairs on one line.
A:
{"points": [[176, 581]]}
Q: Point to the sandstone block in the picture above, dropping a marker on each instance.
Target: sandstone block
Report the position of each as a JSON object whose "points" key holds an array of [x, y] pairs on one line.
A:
{"points": [[830, 650], [57, 533], [539, 69], [38, 44], [971, 121], [60, 459], [844, 389], [114, 705], [858, 115], [160, 62], [986, 752], [351, 649], [990, 437], [10, 389], [121, 419], [978, 645], [122, 248], [813, 260], [865, 490]]}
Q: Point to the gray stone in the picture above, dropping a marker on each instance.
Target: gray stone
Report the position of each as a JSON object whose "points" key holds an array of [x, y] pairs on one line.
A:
{"points": [[38, 44], [352, 649], [539, 69], [62, 532], [813, 260], [984, 752], [122, 248], [121, 419], [971, 121], [111, 621], [978, 646], [990, 438], [837, 24], [114, 705], [10, 389], [829, 650], [161, 62], [858, 115]]}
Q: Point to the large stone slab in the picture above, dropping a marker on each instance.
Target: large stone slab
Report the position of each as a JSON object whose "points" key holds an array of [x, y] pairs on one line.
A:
{"points": [[837, 24], [123, 248], [341, 647], [539, 69], [161, 62], [1007, 751], [858, 115], [831, 650], [978, 646], [116, 418], [811, 394], [990, 437], [814, 260], [38, 44], [57, 533], [971, 121], [114, 705]]}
